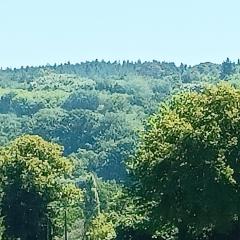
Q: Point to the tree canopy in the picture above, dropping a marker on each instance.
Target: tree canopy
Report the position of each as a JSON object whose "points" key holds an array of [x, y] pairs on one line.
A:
{"points": [[183, 180], [187, 165], [33, 174]]}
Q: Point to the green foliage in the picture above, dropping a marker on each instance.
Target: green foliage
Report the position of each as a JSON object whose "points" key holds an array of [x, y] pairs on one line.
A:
{"points": [[186, 166], [82, 99], [227, 68], [11, 127], [101, 228], [24, 102], [96, 107], [33, 172], [95, 111]]}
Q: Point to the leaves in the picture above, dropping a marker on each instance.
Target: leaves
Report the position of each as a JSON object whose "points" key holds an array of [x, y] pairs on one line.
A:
{"points": [[186, 161], [34, 174]]}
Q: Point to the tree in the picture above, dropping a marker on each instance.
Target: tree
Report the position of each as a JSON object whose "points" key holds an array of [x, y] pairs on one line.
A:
{"points": [[101, 228], [34, 172], [82, 99], [186, 169], [227, 68]]}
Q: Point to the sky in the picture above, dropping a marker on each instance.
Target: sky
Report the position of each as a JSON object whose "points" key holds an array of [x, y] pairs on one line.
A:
{"points": [[39, 32]]}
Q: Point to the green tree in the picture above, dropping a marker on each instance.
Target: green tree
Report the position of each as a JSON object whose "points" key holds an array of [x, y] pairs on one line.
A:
{"points": [[34, 172], [227, 68], [186, 169], [101, 228], [82, 99]]}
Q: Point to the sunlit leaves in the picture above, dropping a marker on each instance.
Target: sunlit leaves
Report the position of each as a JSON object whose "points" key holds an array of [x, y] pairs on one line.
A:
{"points": [[101, 228], [187, 161], [34, 173]]}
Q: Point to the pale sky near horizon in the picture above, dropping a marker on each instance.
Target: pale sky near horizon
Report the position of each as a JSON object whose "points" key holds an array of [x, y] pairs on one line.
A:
{"points": [[37, 32]]}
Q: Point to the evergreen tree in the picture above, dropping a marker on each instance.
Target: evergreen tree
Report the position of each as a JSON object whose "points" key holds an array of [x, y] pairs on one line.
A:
{"points": [[227, 69]]}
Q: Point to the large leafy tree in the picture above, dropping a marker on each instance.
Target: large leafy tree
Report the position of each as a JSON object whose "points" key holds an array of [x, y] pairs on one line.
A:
{"points": [[34, 174], [186, 169]]}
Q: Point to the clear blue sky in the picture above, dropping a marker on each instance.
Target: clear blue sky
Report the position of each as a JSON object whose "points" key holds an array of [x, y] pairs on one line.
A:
{"points": [[35, 32]]}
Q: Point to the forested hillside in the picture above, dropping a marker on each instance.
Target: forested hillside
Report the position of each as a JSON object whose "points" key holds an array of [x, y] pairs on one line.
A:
{"points": [[97, 111], [94, 109]]}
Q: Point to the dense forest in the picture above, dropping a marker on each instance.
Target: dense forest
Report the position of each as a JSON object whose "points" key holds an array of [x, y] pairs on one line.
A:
{"points": [[120, 150]]}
